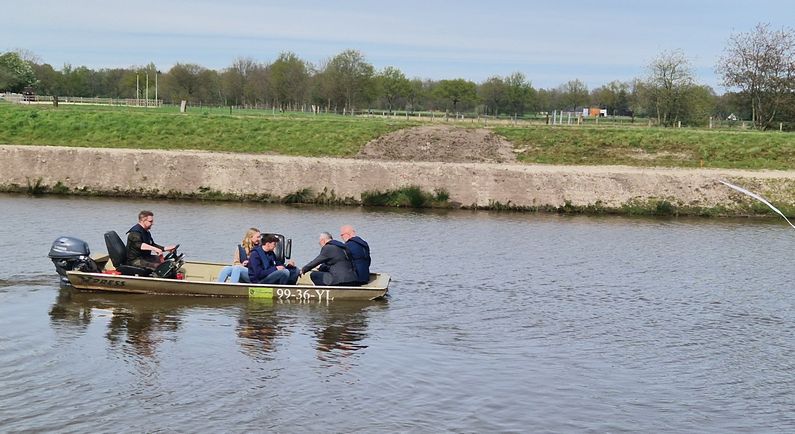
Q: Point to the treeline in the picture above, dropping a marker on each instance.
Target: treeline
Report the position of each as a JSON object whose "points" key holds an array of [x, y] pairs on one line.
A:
{"points": [[348, 82]]}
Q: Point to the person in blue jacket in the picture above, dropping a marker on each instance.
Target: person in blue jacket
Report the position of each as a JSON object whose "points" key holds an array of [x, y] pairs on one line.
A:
{"points": [[264, 267], [360, 253]]}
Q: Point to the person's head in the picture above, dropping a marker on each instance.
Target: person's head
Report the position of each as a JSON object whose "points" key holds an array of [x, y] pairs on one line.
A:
{"points": [[251, 239], [323, 238], [146, 219], [347, 232], [269, 242]]}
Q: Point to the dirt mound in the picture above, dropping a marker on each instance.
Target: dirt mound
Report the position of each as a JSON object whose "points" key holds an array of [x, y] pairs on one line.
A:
{"points": [[440, 143]]}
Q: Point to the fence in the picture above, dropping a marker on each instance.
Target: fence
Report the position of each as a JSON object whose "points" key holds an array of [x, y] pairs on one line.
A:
{"points": [[47, 99]]}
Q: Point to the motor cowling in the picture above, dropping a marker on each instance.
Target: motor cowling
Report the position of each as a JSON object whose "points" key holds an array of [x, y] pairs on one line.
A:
{"points": [[69, 254]]}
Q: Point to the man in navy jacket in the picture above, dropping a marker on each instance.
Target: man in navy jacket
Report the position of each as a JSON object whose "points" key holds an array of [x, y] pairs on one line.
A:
{"points": [[264, 267], [360, 253]]}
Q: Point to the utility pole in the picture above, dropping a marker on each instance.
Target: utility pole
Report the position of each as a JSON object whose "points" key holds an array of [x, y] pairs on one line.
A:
{"points": [[147, 88], [137, 92]]}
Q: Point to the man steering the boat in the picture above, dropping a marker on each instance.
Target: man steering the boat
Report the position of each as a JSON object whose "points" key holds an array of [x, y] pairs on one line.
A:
{"points": [[142, 251]]}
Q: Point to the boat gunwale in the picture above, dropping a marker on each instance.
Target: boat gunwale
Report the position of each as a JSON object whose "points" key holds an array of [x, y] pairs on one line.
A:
{"points": [[234, 284]]}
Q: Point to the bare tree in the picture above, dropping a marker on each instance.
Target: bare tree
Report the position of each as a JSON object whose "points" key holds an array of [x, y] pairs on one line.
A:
{"points": [[761, 63], [670, 79], [236, 81]]}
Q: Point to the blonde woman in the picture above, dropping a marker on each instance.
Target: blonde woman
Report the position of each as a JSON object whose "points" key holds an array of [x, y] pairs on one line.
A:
{"points": [[238, 271]]}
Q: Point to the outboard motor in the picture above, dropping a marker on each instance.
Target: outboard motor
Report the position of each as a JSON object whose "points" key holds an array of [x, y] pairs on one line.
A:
{"points": [[69, 254]]}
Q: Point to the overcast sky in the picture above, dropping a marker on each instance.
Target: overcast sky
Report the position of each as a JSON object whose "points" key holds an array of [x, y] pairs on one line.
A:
{"points": [[551, 42]]}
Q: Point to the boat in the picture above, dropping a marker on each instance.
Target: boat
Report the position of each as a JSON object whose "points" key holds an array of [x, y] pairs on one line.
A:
{"points": [[107, 272]]}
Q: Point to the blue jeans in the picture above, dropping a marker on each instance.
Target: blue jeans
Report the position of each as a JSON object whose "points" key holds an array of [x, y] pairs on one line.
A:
{"points": [[286, 276], [235, 273]]}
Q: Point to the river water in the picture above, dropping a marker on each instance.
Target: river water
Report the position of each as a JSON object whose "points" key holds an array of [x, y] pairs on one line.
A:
{"points": [[496, 322]]}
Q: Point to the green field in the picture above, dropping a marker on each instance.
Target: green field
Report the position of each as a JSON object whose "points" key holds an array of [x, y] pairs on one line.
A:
{"points": [[299, 134], [641, 146], [247, 131]]}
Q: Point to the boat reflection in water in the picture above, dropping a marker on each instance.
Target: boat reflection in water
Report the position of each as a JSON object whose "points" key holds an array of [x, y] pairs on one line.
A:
{"points": [[337, 328], [141, 323]]}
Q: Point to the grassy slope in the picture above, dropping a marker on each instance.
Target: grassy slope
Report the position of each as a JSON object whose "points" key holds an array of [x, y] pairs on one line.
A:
{"points": [[640, 146], [257, 132]]}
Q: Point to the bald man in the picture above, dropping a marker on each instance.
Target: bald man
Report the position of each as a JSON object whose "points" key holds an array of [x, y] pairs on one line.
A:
{"points": [[360, 253]]}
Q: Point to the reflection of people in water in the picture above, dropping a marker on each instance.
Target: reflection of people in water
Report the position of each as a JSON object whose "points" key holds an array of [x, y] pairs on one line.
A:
{"points": [[258, 327], [342, 330], [144, 329], [138, 322], [141, 323]]}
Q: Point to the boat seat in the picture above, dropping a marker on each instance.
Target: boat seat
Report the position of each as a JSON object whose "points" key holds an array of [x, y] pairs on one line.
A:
{"points": [[118, 256]]}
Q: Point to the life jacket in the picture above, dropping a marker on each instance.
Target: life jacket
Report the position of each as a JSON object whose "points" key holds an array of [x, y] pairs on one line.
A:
{"points": [[361, 258], [134, 252], [347, 252], [146, 236], [241, 252], [341, 246]]}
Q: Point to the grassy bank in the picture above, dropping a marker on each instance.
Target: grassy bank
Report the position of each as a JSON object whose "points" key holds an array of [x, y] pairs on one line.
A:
{"points": [[297, 134], [642, 146], [137, 128]]}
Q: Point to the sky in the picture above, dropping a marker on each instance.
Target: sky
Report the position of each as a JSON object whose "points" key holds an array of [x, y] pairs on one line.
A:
{"points": [[550, 42]]}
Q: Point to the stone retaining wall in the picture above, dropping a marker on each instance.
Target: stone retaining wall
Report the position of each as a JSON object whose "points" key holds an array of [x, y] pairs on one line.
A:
{"points": [[189, 172]]}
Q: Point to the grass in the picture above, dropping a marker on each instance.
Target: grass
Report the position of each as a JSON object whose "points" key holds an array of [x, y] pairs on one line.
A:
{"points": [[407, 197], [642, 146], [164, 128], [304, 134]]}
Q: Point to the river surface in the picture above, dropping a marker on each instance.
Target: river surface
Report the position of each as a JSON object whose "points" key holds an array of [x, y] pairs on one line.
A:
{"points": [[496, 322]]}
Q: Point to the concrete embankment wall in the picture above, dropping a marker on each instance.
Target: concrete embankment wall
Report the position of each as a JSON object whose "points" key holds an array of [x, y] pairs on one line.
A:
{"points": [[184, 172]]}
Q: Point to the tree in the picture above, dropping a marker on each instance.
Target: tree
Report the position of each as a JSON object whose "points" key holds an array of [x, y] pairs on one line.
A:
{"points": [[235, 81], [15, 72], [112, 83], [393, 85], [349, 80], [546, 100], [670, 78], [48, 80], [417, 96], [700, 103], [613, 96], [492, 92], [573, 94], [182, 82], [457, 91], [519, 93], [258, 85], [77, 81], [289, 76], [761, 63]]}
